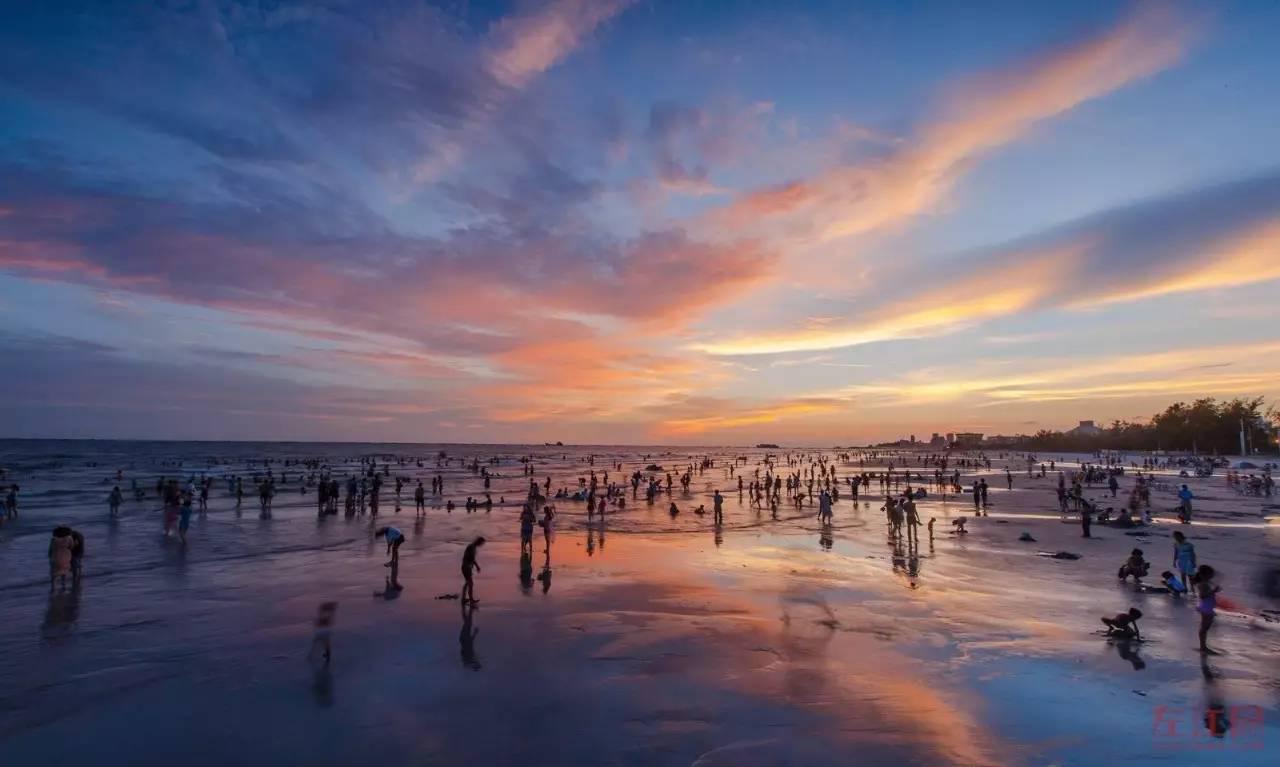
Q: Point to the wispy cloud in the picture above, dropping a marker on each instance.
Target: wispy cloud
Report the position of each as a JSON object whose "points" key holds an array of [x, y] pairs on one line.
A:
{"points": [[1218, 237], [979, 116]]}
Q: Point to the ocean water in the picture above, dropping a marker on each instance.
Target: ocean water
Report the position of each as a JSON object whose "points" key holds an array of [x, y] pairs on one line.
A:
{"points": [[639, 639]]}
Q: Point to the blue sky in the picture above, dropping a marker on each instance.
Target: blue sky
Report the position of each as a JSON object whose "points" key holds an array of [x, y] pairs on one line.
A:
{"points": [[618, 221]]}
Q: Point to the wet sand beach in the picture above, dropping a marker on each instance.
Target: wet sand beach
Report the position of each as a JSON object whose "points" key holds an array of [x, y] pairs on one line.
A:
{"points": [[639, 640]]}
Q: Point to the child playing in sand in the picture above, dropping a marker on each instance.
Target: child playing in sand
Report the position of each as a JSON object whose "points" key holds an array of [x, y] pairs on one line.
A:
{"points": [[394, 539], [1171, 582], [1134, 566], [1124, 625]]}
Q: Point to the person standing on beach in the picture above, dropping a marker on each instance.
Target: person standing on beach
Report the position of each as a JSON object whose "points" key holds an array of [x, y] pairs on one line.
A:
{"points": [[11, 503], [527, 521], [420, 498], [469, 564], [548, 526], [1184, 558], [1207, 592], [913, 519], [984, 488], [1184, 505], [717, 506], [114, 500], [77, 555], [1086, 519], [60, 545], [171, 501], [184, 516]]}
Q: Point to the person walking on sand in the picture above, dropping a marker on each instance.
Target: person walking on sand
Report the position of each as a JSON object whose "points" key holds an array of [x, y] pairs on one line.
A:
{"points": [[1184, 558], [11, 503], [470, 564], [1086, 519]]}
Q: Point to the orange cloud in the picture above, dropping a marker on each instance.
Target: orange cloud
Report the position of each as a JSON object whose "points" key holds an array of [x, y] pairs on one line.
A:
{"points": [[957, 304], [1227, 369], [983, 115], [527, 46], [1238, 258], [752, 416]]}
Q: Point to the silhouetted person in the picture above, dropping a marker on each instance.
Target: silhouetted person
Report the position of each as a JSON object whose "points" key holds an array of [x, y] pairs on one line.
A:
{"points": [[470, 565]]}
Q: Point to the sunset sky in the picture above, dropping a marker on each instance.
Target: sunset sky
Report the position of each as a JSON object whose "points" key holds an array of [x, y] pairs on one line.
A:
{"points": [[603, 221]]}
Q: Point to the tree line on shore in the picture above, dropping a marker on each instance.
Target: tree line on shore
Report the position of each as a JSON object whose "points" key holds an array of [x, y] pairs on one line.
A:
{"points": [[1205, 426]]}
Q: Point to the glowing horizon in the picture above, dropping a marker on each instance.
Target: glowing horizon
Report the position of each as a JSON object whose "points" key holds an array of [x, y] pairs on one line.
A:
{"points": [[612, 222]]}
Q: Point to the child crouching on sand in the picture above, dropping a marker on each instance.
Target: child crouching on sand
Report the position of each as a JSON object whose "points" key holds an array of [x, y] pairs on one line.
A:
{"points": [[1124, 625], [1134, 566]]}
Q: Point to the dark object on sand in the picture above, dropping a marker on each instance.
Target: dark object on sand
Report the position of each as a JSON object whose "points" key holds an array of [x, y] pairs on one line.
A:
{"points": [[447, 596], [1027, 537], [767, 446], [653, 467], [1057, 554]]}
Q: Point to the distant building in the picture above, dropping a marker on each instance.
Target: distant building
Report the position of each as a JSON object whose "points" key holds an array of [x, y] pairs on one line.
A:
{"points": [[967, 439], [951, 438], [1085, 429], [1001, 440], [938, 440], [913, 439]]}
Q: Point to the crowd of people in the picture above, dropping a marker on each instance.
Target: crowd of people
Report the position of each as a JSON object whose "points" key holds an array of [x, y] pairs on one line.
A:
{"points": [[797, 481]]}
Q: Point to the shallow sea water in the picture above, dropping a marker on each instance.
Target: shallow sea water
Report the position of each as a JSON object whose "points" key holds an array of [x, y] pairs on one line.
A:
{"points": [[639, 640]]}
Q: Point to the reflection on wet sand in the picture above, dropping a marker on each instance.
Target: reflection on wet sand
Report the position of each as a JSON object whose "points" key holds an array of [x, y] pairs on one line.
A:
{"points": [[686, 641], [467, 637]]}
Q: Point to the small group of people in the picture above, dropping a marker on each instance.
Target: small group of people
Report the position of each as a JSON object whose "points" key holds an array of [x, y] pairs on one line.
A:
{"points": [[1186, 577], [527, 521]]}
